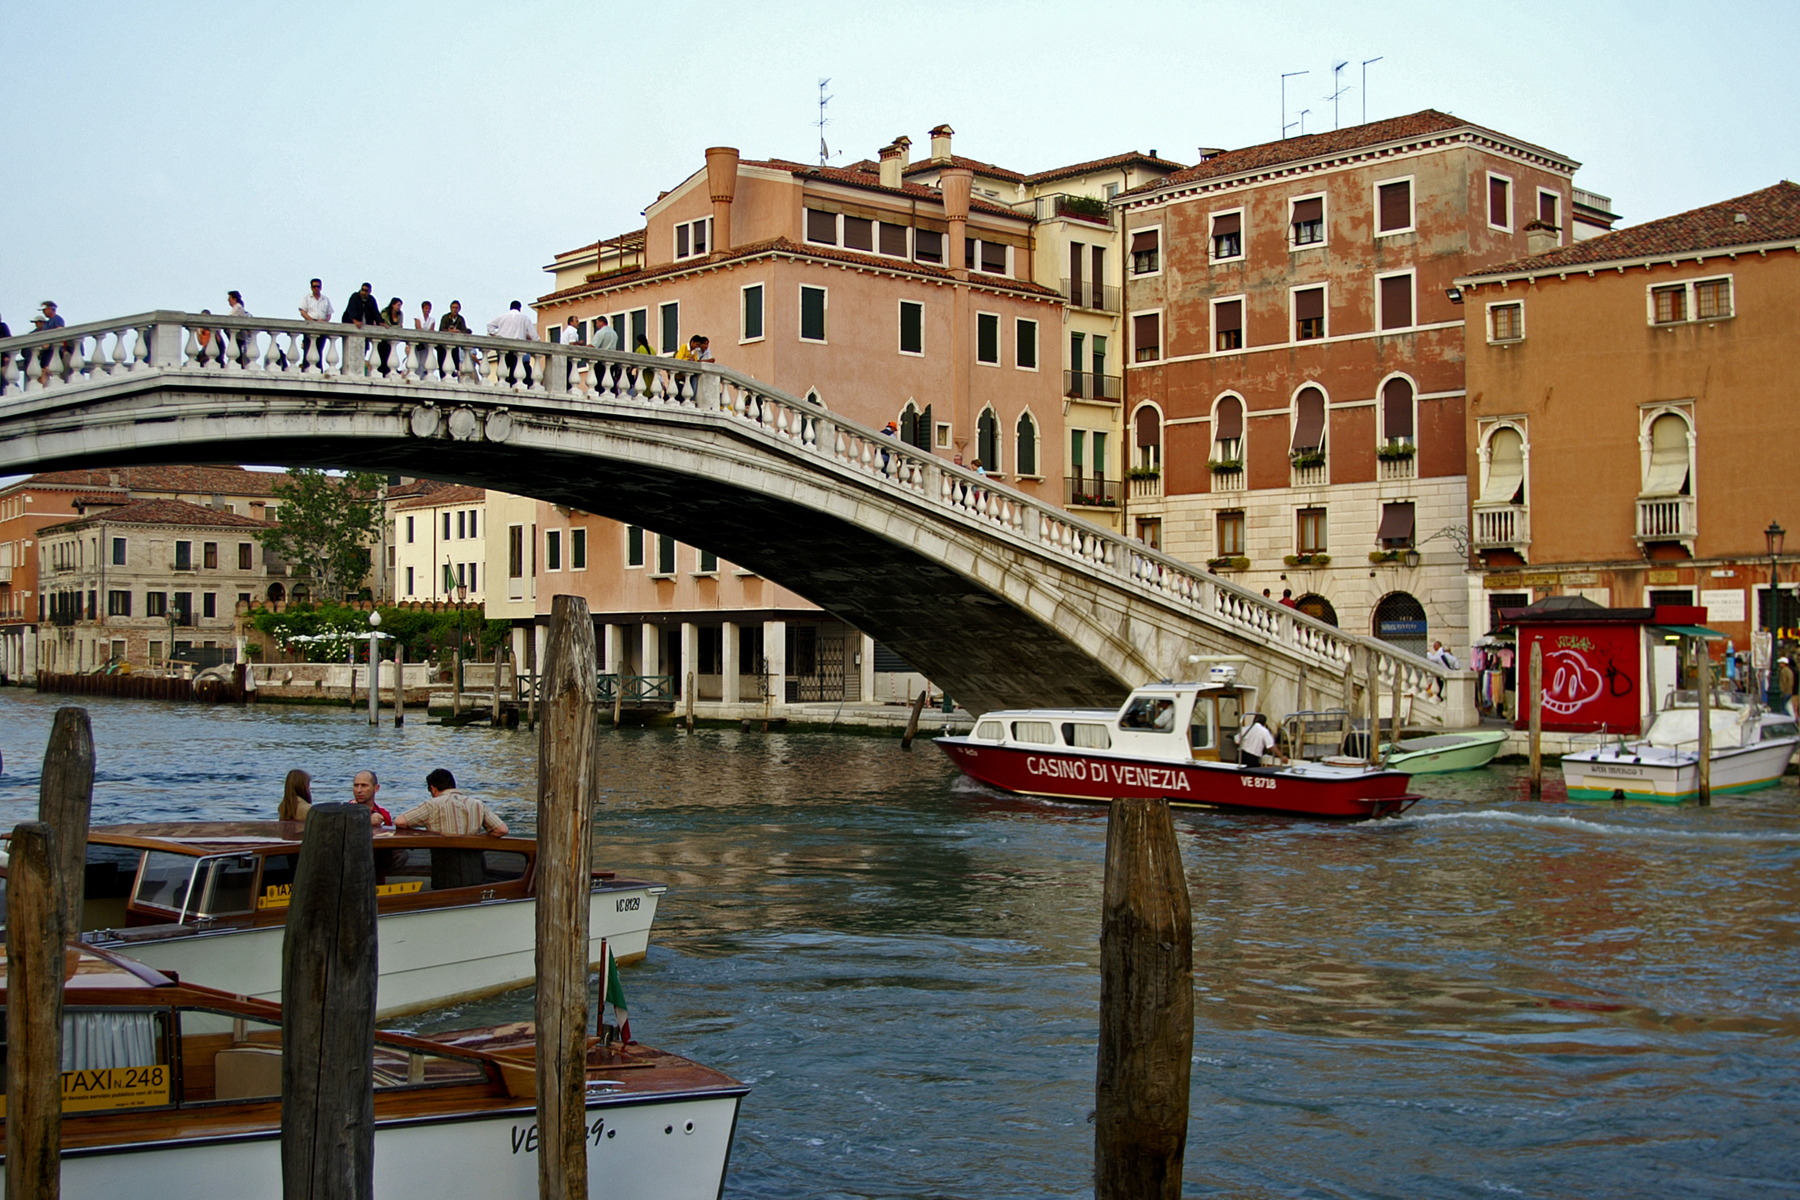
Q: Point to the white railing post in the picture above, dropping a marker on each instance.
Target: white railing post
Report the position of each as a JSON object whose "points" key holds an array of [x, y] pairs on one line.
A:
{"points": [[557, 369], [165, 341], [707, 396]]}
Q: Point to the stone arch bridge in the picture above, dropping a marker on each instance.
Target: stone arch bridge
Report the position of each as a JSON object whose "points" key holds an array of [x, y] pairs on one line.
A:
{"points": [[1002, 599]]}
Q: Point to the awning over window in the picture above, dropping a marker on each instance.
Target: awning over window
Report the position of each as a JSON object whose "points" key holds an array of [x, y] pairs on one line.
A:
{"points": [[1230, 419], [1309, 210], [1143, 242], [1506, 467], [1309, 419], [1668, 457], [1227, 223], [1396, 522]]}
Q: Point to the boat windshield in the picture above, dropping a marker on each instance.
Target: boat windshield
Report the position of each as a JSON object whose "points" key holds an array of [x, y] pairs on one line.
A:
{"points": [[1148, 712], [197, 887]]}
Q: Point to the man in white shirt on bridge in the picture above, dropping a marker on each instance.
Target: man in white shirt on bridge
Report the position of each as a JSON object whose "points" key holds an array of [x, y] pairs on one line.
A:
{"points": [[316, 306], [513, 323]]}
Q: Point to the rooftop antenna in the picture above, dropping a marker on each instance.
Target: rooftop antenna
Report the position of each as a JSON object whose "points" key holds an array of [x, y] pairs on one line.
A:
{"points": [[824, 152], [1303, 113], [1337, 89], [1284, 121], [1365, 85]]}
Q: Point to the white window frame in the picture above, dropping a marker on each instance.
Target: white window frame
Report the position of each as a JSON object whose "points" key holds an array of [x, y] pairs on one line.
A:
{"points": [[675, 239], [562, 548], [655, 546], [1412, 205], [587, 548], [1691, 287], [999, 339], [1243, 301], [1487, 203], [1000, 432], [941, 439], [644, 536], [764, 335], [1562, 213], [1037, 346], [656, 343], [1244, 437], [1648, 415], [1381, 326], [1037, 442], [1162, 247], [1293, 411], [899, 324], [1295, 247], [975, 266], [1162, 337], [699, 565], [837, 227], [1484, 451], [800, 315], [1499, 341], [1293, 320], [1382, 437], [907, 234], [1243, 212]]}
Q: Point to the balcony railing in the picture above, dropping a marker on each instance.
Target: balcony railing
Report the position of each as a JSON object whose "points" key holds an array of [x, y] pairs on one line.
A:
{"points": [[1666, 519], [1502, 526], [6, 574], [1146, 487], [1309, 477], [1093, 493], [1090, 294], [1396, 468], [1086, 385]]}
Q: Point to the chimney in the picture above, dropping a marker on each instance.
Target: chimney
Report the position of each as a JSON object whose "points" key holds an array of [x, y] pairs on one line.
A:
{"points": [[954, 184], [940, 144], [1541, 237], [721, 184], [893, 161], [904, 145]]}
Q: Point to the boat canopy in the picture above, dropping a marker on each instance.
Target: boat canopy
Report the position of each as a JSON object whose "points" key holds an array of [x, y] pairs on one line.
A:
{"points": [[1677, 727]]}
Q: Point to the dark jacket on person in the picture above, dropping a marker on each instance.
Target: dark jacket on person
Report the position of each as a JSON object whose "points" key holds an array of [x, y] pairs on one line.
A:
{"points": [[363, 308]]}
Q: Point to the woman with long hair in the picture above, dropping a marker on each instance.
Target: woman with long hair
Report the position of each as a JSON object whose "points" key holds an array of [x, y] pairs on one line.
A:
{"points": [[296, 797]]}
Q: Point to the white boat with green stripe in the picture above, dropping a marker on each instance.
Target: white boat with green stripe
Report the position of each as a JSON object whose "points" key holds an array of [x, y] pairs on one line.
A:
{"points": [[1751, 749]]}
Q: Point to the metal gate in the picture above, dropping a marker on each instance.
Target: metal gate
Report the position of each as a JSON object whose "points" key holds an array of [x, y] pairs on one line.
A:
{"points": [[815, 656]]}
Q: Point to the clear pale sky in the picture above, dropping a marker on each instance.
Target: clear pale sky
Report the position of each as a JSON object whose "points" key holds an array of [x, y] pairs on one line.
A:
{"points": [[160, 153]]}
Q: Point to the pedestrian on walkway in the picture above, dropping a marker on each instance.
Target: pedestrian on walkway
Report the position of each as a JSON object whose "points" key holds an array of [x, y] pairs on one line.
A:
{"points": [[362, 309], [394, 318], [514, 324], [49, 320], [315, 307], [453, 323]]}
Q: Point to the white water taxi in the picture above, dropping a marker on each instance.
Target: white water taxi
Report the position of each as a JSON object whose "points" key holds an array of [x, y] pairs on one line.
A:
{"points": [[1751, 749]]}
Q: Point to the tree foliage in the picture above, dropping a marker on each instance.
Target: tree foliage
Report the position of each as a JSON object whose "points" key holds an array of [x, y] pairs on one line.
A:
{"points": [[426, 635], [326, 525]]}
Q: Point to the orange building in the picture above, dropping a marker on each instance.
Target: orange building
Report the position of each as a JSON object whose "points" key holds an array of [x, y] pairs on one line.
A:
{"points": [[1628, 397], [1295, 386]]}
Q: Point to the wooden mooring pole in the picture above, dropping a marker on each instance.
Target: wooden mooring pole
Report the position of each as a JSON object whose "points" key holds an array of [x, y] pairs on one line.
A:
{"points": [[1703, 673], [328, 976], [1535, 682], [912, 722], [399, 684], [1373, 699], [1146, 1008], [65, 799], [689, 695], [568, 785], [34, 997]]}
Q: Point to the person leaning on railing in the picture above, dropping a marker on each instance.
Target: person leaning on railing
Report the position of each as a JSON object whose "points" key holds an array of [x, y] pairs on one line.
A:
{"points": [[453, 323]]}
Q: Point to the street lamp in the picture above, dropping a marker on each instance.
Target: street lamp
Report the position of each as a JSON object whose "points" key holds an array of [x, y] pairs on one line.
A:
{"points": [[374, 667], [1773, 535]]}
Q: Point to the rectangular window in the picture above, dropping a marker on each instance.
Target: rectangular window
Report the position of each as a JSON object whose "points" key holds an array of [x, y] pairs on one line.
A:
{"points": [[1309, 221], [665, 554], [247, 556], [473, 585], [1231, 534], [184, 556], [156, 604], [821, 227], [446, 525], [410, 589], [993, 258], [812, 314], [209, 555], [1145, 258], [1712, 299], [859, 233], [1550, 208], [893, 240], [1506, 322], [1671, 303], [640, 330], [1227, 236], [1026, 356], [912, 327], [1394, 204], [670, 315], [691, 239], [118, 552], [515, 552], [577, 549], [553, 550], [1311, 534], [1499, 202], [1396, 529], [634, 545], [753, 313], [118, 604], [209, 604], [184, 608], [462, 524], [1309, 314], [709, 563], [1228, 325], [1396, 301], [928, 246], [1146, 337], [987, 337]]}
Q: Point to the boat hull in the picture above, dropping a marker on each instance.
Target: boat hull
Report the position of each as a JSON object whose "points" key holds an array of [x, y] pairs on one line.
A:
{"points": [[654, 1148], [426, 957], [1604, 775], [1068, 775], [1475, 752]]}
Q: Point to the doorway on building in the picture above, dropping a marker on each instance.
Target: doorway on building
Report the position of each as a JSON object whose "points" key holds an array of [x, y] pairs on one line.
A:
{"points": [[1400, 621], [1317, 607]]}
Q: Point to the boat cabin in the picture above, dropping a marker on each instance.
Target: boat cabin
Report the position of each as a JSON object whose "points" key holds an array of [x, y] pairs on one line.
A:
{"points": [[1159, 720], [1736, 720]]}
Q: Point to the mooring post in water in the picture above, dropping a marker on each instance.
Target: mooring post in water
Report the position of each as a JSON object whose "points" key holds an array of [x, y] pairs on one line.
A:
{"points": [[34, 999], [1146, 1008], [399, 684], [1535, 682], [912, 722], [1349, 704], [1703, 669], [1373, 698], [568, 785], [531, 672], [690, 702], [456, 679], [328, 976], [65, 799], [1393, 719]]}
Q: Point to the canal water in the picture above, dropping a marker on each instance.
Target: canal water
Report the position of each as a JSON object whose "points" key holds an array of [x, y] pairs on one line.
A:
{"points": [[1490, 996]]}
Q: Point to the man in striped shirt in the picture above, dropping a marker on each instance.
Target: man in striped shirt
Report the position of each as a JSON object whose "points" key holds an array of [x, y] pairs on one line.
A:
{"points": [[450, 810]]}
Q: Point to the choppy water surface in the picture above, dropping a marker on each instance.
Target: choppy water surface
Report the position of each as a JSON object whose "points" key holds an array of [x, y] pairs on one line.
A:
{"points": [[1488, 996]]}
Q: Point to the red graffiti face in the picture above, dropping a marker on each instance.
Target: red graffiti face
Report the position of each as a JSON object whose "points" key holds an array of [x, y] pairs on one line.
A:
{"points": [[1569, 682]]}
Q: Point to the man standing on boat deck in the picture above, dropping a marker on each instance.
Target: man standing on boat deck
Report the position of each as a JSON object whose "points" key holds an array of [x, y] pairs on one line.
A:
{"points": [[451, 810], [363, 788], [1254, 741]]}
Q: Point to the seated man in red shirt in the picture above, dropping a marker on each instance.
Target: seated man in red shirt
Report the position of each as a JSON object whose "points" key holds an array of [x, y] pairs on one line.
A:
{"points": [[363, 788]]}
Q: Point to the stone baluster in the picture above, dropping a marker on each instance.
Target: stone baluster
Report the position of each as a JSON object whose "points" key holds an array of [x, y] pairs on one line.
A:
{"points": [[10, 373]]}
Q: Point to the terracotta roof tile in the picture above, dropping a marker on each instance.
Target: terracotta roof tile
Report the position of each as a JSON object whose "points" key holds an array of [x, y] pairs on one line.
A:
{"points": [[872, 181], [161, 512], [974, 164], [226, 481], [1101, 164], [1771, 215], [449, 493], [633, 240]]}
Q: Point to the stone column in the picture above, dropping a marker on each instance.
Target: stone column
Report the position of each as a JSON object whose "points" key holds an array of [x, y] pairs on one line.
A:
{"points": [[866, 674], [690, 666], [650, 649], [775, 650], [612, 656], [721, 187], [729, 642]]}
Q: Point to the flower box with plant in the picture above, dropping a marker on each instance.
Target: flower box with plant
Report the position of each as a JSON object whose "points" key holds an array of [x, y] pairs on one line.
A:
{"points": [[1307, 458], [1082, 206], [1384, 556], [1229, 562], [1225, 466], [1144, 473], [1307, 560], [1395, 451]]}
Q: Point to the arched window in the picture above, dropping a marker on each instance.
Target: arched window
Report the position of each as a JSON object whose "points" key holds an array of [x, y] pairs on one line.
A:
{"points": [[277, 593], [1228, 430], [1668, 473], [1505, 482], [915, 426], [1397, 411], [1149, 438], [1315, 605], [1400, 621], [987, 440], [1026, 456], [1309, 424], [812, 397]]}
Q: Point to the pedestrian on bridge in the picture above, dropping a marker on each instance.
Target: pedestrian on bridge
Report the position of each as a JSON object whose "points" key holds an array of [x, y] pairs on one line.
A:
{"points": [[391, 316], [234, 302], [48, 321], [514, 324], [315, 307], [362, 309], [453, 323]]}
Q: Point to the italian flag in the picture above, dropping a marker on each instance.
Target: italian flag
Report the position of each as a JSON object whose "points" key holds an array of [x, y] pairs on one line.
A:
{"points": [[613, 992]]}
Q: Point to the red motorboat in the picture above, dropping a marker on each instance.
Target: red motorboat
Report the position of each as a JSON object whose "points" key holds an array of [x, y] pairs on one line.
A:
{"points": [[1170, 740]]}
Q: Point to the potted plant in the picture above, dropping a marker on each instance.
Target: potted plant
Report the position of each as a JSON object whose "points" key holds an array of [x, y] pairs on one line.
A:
{"points": [[1307, 457], [1384, 556], [1225, 466], [1395, 451], [1229, 562], [1144, 473], [1307, 560]]}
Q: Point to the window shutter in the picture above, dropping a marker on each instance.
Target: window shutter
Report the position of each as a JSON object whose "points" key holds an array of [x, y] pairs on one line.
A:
{"points": [[1309, 427], [1309, 305], [1229, 316], [1396, 205], [893, 240], [1077, 261], [821, 227], [993, 257], [928, 245], [1396, 522], [1026, 459], [1396, 302], [1497, 202], [1547, 208], [1230, 419], [1227, 223], [1309, 210], [912, 331], [1146, 336], [1149, 427], [1143, 242], [859, 233], [1397, 409], [1506, 467]]}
